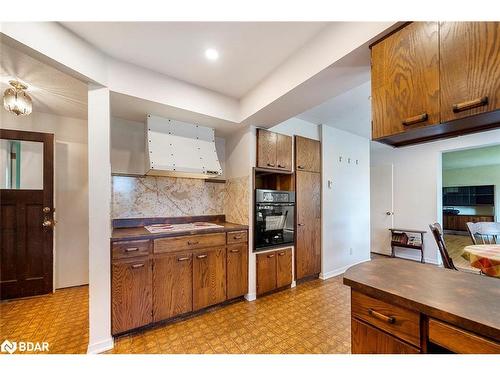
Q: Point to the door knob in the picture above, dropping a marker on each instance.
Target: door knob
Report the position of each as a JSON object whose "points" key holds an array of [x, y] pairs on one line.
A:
{"points": [[389, 213], [47, 223]]}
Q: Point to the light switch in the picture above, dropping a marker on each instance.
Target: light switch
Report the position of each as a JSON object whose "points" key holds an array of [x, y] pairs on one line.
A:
{"points": [[330, 184]]}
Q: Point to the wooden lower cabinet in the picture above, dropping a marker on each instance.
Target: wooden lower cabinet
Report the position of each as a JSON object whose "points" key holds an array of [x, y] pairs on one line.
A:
{"points": [[131, 300], [237, 270], [209, 277], [283, 268], [172, 285], [366, 339], [274, 270], [459, 222]]}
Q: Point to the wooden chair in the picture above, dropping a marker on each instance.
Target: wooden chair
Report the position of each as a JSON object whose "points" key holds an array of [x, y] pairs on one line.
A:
{"points": [[437, 232], [484, 233]]}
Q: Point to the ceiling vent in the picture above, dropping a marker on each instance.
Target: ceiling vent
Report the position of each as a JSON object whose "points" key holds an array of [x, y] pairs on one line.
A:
{"points": [[179, 149]]}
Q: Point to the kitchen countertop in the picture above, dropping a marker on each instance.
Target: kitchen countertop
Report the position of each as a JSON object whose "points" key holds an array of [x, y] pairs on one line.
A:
{"points": [[141, 233], [465, 300]]}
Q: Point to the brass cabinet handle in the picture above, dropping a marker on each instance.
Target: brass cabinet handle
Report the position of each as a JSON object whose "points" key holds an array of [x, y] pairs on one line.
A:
{"points": [[300, 166], [134, 266], [470, 104], [416, 119], [281, 166], [234, 250], [193, 242], [201, 256], [238, 237], [385, 318], [182, 259], [130, 249], [270, 256], [281, 254], [270, 164]]}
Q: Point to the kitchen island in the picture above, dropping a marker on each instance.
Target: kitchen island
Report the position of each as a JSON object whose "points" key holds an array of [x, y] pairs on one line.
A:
{"points": [[400, 306]]}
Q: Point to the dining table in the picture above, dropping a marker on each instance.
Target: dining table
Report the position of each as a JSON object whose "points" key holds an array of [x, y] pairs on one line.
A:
{"points": [[485, 257]]}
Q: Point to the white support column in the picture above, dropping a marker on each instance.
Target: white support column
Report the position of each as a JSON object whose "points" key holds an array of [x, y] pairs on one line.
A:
{"points": [[100, 338]]}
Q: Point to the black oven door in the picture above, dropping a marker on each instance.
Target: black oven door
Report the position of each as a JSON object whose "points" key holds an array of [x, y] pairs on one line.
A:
{"points": [[274, 225]]}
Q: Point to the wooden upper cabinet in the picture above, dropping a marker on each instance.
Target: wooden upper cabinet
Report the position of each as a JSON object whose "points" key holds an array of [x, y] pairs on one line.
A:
{"points": [[469, 68], [307, 154], [209, 277], [405, 80], [283, 267], [266, 272], [274, 150], [237, 270]]}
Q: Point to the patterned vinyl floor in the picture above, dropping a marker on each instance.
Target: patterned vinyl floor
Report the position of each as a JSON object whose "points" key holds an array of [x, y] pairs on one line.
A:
{"points": [[314, 317]]}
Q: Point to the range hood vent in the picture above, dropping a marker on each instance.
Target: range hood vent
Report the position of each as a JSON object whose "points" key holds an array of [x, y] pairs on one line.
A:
{"points": [[179, 149]]}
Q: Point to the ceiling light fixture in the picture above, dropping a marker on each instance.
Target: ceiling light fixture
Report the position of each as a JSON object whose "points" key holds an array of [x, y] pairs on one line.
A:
{"points": [[211, 54], [16, 100]]}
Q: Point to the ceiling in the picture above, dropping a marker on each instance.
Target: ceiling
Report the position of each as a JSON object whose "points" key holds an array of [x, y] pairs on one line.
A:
{"points": [[52, 91], [249, 51], [475, 157]]}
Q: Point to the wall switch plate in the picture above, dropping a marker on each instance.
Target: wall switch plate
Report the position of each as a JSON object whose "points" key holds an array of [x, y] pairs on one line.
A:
{"points": [[330, 184]]}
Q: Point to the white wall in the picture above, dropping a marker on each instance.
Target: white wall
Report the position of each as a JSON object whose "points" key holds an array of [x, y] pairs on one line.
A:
{"points": [[70, 191], [296, 126], [346, 205], [418, 182]]}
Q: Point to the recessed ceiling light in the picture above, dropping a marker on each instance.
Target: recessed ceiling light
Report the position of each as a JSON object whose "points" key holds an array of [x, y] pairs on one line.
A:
{"points": [[211, 54]]}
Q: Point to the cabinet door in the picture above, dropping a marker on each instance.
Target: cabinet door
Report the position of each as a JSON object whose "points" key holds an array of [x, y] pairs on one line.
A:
{"points": [[405, 80], [237, 270], [209, 277], [308, 233], [131, 304], [307, 154], [283, 268], [366, 339], [469, 68], [266, 272], [172, 285], [266, 148], [284, 152]]}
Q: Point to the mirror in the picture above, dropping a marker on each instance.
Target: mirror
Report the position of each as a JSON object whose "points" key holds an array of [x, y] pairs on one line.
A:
{"points": [[21, 164]]}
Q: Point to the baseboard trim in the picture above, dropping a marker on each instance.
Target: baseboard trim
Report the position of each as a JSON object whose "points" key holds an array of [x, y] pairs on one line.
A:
{"points": [[101, 346], [293, 284], [417, 259], [251, 297], [339, 271]]}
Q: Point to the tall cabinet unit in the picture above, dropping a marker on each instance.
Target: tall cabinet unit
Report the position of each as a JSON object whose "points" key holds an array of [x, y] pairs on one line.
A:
{"points": [[308, 207]]}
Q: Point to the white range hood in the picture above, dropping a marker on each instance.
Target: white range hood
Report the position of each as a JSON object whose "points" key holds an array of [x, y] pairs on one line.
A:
{"points": [[179, 149]]}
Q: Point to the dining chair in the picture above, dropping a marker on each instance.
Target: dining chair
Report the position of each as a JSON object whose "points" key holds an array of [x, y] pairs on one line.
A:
{"points": [[484, 233], [437, 232]]}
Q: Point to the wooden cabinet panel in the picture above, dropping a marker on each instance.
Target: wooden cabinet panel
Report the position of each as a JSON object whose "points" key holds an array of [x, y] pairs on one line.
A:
{"points": [[266, 148], [131, 302], [308, 231], [459, 222], [172, 285], [237, 270], [266, 272], [130, 249], [240, 236], [307, 154], [209, 277], [179, 243], [366, 339], [405, 80], [469, 68], [283, 267], [284, 152], [396, 320]]}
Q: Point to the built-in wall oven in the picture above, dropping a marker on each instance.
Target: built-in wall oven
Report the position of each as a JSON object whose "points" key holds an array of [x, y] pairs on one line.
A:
{"points": [[274, 218]]}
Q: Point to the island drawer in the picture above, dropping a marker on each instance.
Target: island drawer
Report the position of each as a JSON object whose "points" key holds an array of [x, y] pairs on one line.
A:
{"points": [[396, 320], [240, 236], [179, 243], [130, 249], [460, 341]]}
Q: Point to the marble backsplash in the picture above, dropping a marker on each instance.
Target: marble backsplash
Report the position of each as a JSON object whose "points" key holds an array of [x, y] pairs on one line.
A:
{"points": [[154, 196]]}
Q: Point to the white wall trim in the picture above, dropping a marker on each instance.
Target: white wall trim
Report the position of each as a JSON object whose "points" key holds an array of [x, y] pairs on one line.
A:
{"points": [[251, 297], [339, 271], [293, 284], [101, 346]]}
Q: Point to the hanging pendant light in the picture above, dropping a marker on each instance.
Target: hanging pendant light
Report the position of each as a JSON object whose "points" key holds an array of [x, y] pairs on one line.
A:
{"points": [[16, 100]]}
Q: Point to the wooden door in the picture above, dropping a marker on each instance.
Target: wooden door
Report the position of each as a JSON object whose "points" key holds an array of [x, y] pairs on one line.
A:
{"points": [[307, 154], [308, 233], [209, 277], [26, 213], [366, 339], [405, 80], [469, 68], [131, 302], [266, 148], [266, 272], [283, 268], [172, 285], [284, 152], [237, 270]]}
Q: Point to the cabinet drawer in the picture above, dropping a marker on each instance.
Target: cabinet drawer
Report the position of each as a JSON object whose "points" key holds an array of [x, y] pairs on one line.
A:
{"points": [[130, 249], [396, 320], [460, 341], [165, 245], [237, 237]]}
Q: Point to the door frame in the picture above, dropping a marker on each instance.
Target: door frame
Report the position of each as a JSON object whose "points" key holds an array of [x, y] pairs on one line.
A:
{"points": [[48, 189]]}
